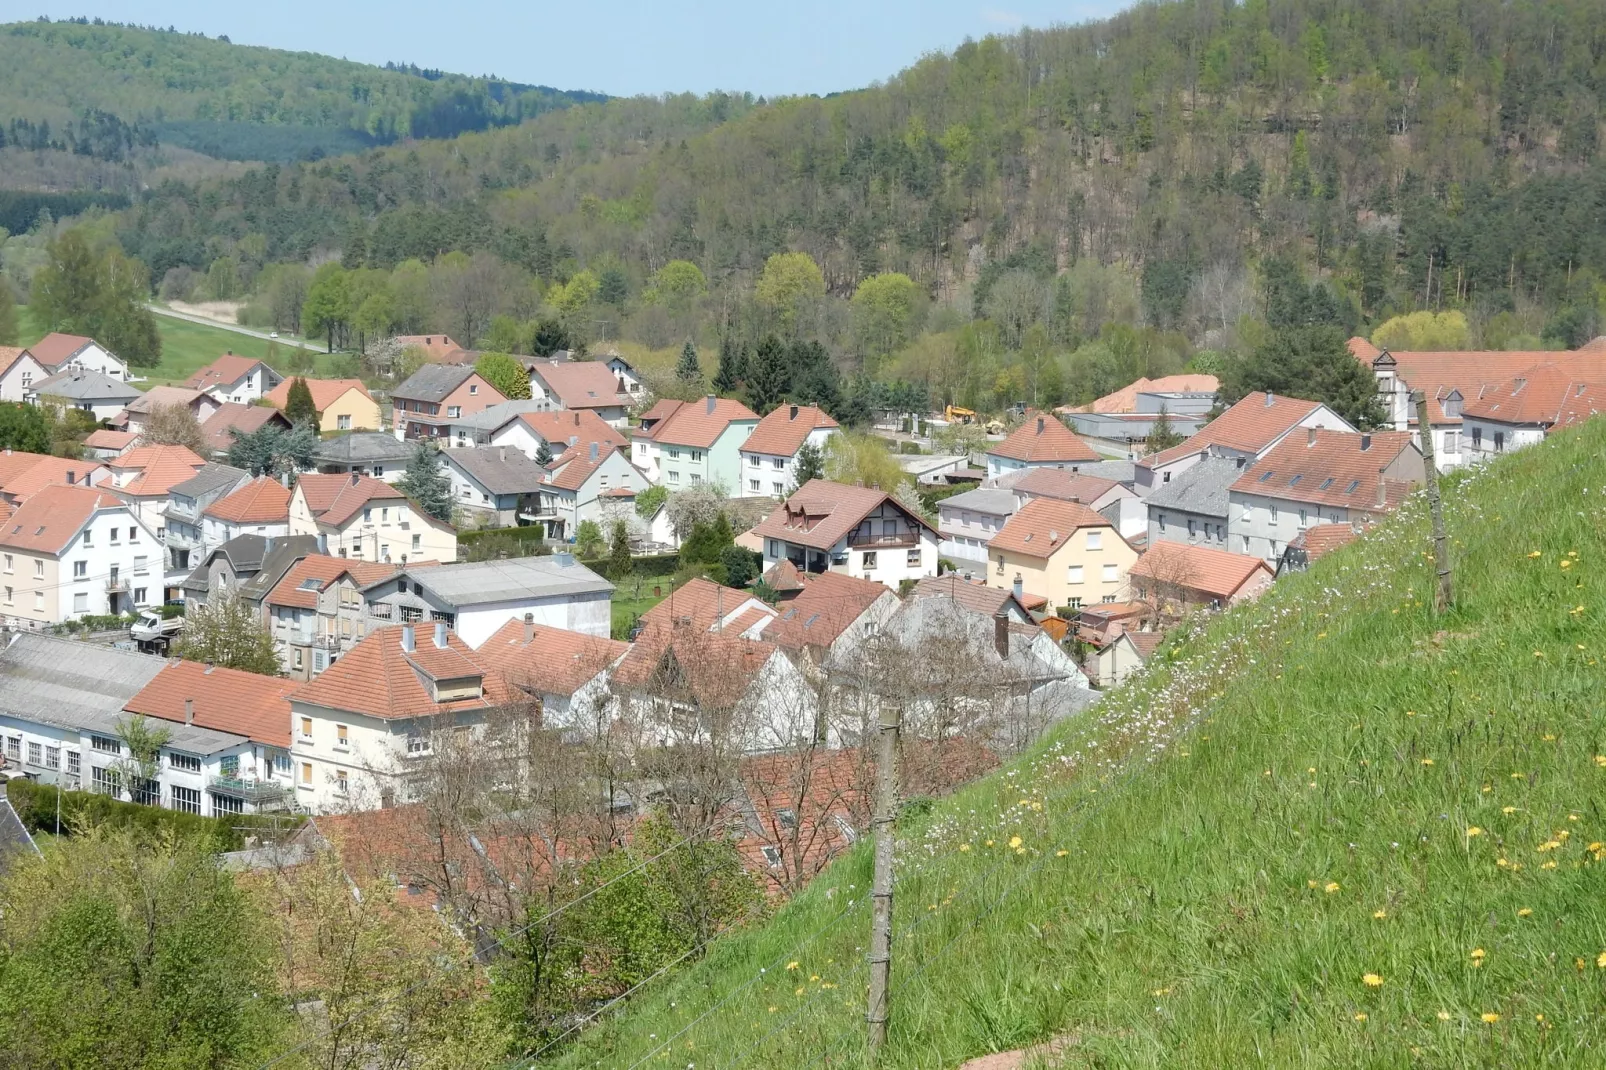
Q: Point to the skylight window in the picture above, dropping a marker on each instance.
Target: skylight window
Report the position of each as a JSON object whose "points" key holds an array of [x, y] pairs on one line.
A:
{"points": [[1352, 485], [1264, 476], [1296, 479], [310, 585], [1328, 482], [810, 622]]}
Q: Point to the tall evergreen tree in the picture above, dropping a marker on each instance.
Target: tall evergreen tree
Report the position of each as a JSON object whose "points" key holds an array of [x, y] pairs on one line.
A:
{"points": [[689, 370], [810, 464], [619, 561], [732, 367], [1163, 435], [299, 408], [543, 454], [769, 375], [427, 483]]}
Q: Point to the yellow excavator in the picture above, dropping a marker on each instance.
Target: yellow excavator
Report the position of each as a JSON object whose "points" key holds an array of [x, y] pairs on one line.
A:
{"points": [[954, 414]]}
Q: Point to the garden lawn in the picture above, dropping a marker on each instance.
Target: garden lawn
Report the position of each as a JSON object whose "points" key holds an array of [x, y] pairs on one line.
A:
{"points": [[1326, 829]]}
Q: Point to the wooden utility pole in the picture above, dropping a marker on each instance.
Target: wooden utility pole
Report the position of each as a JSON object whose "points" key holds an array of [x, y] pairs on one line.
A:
{"points": [[882, 824], [1444, 595]]}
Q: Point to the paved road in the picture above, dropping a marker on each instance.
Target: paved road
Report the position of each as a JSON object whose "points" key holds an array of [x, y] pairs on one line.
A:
{"points": [[235, 327]]}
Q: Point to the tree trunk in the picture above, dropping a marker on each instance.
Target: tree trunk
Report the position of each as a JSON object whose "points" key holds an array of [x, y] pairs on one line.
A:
{"points": [[882, 823]]}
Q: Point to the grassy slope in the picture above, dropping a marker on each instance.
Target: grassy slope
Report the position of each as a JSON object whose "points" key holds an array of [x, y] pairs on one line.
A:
{"points": [[1203, 882], [188, 347]]}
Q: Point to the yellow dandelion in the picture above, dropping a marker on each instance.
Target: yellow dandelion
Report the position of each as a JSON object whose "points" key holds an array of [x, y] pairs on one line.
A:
{"points": [[1539, 653], [1014, 841], [1020, 850], [1380, 914], [1502, 863], [1427, 761], [1508, 809], [797, 991], [1548, 738], [813, 978], [772, 1010], [964, 847], [1410, 713], [1536, 553], [1478, 954], [1566, 564], [1311, 884], [1525, 912], [1444, 1016], [1321, 635], [1600, 760], [1489, 1017], [1576, 610], [988, 843], [1600, 960], [1330, 887], [1474, 831], [1524, 776], [1574, 817], [1360, 1016], [1162, 991], [1372, 980], [1061, 853]]}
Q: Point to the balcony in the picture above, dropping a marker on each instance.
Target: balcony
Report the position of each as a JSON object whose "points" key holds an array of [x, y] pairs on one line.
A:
{"points": [[259, 792], [898, 540], [117, 585]]}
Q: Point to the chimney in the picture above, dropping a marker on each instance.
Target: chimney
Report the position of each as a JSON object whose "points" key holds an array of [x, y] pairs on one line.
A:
{"points": [[1366, 442], [1310, 436], [1001, 633], [1019, 590], [504, 455], [1039, 425], [529, 627], [440, 635], [189, 711], [1382, 491], [355, 476], [563, 559], [593, 451], [1270, 398], [793, 413], [711, 400], [407, 638], [577, 417], [267, 546]]}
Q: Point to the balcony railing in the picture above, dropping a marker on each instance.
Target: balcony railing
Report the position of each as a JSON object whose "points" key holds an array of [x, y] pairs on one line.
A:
{"points": [[116, 584], [252, 791], [879, 542]]}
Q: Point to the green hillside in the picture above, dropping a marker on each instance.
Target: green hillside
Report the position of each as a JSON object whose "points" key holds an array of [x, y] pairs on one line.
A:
{"points": [[106, 89], [1330, 829]]}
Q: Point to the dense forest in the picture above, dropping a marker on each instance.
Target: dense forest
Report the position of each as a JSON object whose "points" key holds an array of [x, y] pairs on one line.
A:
{"points": [[237, 102], [1032, 217]]}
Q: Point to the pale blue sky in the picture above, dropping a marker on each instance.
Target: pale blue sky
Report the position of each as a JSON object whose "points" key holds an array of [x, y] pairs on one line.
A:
{"points": [[623, 47]]}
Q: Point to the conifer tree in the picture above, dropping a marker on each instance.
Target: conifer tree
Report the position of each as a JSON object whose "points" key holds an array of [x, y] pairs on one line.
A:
{"points": [[732, 367], [298, 406], [689, 370], [427, 483]]}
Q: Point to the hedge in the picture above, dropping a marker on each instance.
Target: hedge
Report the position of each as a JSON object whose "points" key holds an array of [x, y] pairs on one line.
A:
{"points": [[35, 804]]}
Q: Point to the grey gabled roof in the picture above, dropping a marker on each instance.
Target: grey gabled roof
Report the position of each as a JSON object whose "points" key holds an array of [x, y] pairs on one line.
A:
{"points": [[498, 469], [280, 558], [1120, 471], [210, 477], [982, 500], [1200, 488], [482, 582], [85, 385], [362, 447], [499, 414], [245, 554], [433, 382]]}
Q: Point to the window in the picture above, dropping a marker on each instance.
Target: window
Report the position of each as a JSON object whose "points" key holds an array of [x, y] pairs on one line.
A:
{"points": [[695, 478], [417, 744], [1074, 574], [454, 411], [1160, 518], [752, 460], [36, 753], [780, 488], [38, 601], [779, 463], [281, 764], [306, 774], [1302, 520], [674, 476], [368, 515], [104, 745], [696, 455], [145, 792], [341, 740], [772, 855], [341, 784], [187, 800], [473, 388], [298, 657], [1499, 441], [1190, 527], [674, 455], [140, 596], [80, 569], [38, 570], [912, 559], [1107, 599], [14, 748], [787, 818], [227, 804], [8, 564], [379, 470], [141, 565], [1076, 602], [418, 542], [8, 596], [1095, 540], [343, 423], [753, 485], [114, 532], [1477, 438], [133, 534], [74, 764], [1111, 573], [89, 537], [103, 781], [306, 728], [1452, 442], [184, 763], [1274, 512], [52, 757], [869, 559]]}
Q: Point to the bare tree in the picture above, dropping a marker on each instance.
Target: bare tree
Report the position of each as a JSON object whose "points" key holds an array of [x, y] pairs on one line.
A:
{"points": [[174, 425]]}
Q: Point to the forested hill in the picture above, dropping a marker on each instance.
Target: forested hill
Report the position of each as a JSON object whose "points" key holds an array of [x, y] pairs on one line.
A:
{"points": [[1366, 138], [94, 89]]}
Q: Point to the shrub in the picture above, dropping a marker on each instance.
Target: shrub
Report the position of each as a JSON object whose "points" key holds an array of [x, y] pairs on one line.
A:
{"points": [[36, 807]]}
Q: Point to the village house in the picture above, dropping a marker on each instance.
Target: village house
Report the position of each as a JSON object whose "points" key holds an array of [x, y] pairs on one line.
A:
{"points": [[968, 521], [316, 612], [137, 414], [25, 474], [359, 727], [436, 348], [580, 485], [769, 453], [1245, 433], [685, 443], [145, 477], [1193, 507], [562, 674], [258, 507], [247, 565], [57, 352], [1126, 398], [703, 605], [1172, 577], [474, 599], [369, 453], [435, 395], [559, 432], [1314, 543], [361, 517], [584, 384], [1320, 477], [93, 392], [19, 370], [103, 443], [65, 708], [1110, 498], [69, 552], [341, 404], [234, 420], [1061, 552], [1042, 441], [862, 531], [1523, 410], [493, 486], [235, 378], [184, 526], [831, 614], [1123, 656]]}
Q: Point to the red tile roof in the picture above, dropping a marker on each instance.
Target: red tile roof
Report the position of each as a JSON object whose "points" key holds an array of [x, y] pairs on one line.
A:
{"points": [[1064, 485], [51, 518], [783, 431], [783, 576], [105, 439], [693, 425], [1126, 398], [575, 427], [1044, 439], [325, 392], [380, 679], [301, 585], [827, 607], [50, 471], [56, 348], [574, 468], [158, 396], [552, 661], [1329, 468], [335, 499], [243, 418], [439, 347], [1547, 395], [1475, 373], [1324, 539], [976, 597], [1043, 525], [1254, 423], [820, 513], [264, 500], [14, 463], [698, 602], [579, 384], [160, 468], [224, 371], [9, 355], [225, 700], [1216, 573], [715, 668]]}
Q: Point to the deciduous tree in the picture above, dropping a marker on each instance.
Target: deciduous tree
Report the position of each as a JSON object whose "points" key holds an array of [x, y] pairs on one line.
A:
{"points": [[227, 631], [174, 425], [505, 373]]}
